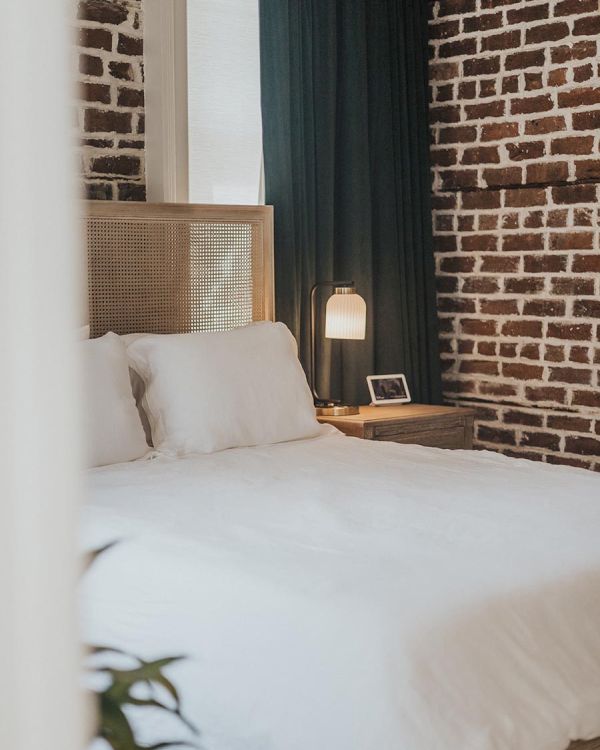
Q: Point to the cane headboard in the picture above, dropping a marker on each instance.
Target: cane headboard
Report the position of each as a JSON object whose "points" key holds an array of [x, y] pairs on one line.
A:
{"points": [[176, 268]]}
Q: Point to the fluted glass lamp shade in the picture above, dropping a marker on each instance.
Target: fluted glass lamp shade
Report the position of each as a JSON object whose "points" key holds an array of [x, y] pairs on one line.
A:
{"points": [[345, 314]]}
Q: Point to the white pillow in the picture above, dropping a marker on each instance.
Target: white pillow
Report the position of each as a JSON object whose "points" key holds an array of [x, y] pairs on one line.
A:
{"points": [[112, 425], [206, 392]]}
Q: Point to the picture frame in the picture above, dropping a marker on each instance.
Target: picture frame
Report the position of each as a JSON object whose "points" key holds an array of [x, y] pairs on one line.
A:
{"points": [[388, 389]]}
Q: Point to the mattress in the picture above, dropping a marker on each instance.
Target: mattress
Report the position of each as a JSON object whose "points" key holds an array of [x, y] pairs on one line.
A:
{"points": [[340, 594]]}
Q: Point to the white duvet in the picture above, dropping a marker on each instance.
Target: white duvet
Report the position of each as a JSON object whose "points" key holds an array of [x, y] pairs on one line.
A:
{"points": [[340, 594]]}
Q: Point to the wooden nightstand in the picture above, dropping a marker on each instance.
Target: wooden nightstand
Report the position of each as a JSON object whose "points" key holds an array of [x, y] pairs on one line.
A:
{"points": [[436, 426]]}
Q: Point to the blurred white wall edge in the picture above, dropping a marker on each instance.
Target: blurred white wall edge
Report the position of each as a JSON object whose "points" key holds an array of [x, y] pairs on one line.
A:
{"points": [[40, 482]]}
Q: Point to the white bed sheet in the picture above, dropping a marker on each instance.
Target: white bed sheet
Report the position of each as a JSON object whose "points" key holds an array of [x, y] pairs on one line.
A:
{"points": [[340, 594]]}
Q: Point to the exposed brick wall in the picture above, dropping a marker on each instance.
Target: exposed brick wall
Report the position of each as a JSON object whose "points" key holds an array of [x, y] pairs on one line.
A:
{"points": [[516, 170], [111, 98]]}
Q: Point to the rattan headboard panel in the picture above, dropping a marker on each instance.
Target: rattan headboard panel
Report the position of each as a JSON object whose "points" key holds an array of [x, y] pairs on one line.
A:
{"points": [[176, 268]]}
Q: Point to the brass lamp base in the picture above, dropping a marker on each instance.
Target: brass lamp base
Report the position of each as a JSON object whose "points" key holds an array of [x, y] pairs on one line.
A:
{"points": [[336, 410]]}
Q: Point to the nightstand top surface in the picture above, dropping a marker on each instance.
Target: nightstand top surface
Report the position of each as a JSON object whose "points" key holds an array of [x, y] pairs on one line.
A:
{"points": [[398, 412]]}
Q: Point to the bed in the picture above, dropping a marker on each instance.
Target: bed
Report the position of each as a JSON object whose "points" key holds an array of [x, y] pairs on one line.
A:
{"points": [[333, 593]]}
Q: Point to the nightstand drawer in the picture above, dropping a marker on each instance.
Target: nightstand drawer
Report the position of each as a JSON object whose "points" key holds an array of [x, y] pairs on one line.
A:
{"points": [[442, 437], [417, 424]]}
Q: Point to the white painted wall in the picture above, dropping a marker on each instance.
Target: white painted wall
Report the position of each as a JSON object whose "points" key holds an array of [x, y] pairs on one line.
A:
{"points": [[40, 702]]}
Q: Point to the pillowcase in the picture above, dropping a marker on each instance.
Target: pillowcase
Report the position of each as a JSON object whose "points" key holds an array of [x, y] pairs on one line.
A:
{"points": [[111, 422], [206, 392]]}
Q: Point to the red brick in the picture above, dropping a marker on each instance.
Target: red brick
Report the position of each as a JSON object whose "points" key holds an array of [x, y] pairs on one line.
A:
{"points": [[533, 58], [543, 125], [481, 199], [580, 354], [496, 131], [455, 304], [444, 30], [497, 389], [510, 84], [528, 13], [445, 243], [455, 7], [498, 307], [467, 90], [94, 92], [508, 350], [487, 348], [89, 65], [106, 121], [443, 202], [534, 81], [554, 353], [586, 263], [487, 109], [541, 440], [570, 286], [458, 48], [520, 371], [122, 165], [583, 73], [515, 416], [477, 327], [557, 217], [481, 66], [521, 242], [443, 71], [488, 221], [587, 26], [587, 398], [549, 32], [95, 39], [525, 150], [572, 7], [570, 331], [586, 120], [557, 77], [479, 366], [544, 263], [528, 328], [130, 97], [129, 45], [102, 11], [583, 446], [525, 197], [481, 155], [458, 179], [506, 40], [500, 264], [480, 285], [573, 145], [446, 284], [524, 285], [588, 169], [580, 375], [546, 173], [579, 97], [495, 435], [466, 223], [503, 176], [544, 308], [583, 217], [510, 221], [445, 113], [586, 308], [572, 241], [533, 220], [457, 265], [531, 104], [482, 22], [574, 194], [443, 157], [487, 87], [479, 243], [530, 351], [460, 134], [565, 461], [545, 393]]}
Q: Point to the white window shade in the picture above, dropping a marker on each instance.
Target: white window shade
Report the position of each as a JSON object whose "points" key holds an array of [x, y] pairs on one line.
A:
{"points": [[224, 117]]}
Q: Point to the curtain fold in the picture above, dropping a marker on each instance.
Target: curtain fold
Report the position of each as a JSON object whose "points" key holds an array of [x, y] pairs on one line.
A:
{"points": [[346, 150]]}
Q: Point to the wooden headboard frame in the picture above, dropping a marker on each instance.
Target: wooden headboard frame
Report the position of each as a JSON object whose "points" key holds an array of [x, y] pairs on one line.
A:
{"points": [[175, 268]]}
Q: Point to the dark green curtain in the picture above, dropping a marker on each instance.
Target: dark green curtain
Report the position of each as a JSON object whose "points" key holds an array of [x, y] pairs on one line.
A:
{"points": [[346, 149]]}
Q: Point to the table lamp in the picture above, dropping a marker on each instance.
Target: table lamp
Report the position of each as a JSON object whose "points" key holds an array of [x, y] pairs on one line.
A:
{"points": [[345, 318]]}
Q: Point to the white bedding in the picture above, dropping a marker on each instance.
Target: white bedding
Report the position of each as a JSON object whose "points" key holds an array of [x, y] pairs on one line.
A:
{"points": [[339, 594]]}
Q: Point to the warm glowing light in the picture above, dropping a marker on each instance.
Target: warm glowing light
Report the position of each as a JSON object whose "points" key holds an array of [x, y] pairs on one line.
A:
{"points": [[345, 315]]}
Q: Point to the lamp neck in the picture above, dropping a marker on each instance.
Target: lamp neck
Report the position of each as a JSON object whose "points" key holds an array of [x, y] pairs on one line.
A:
{"points": [[341, 287]]}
